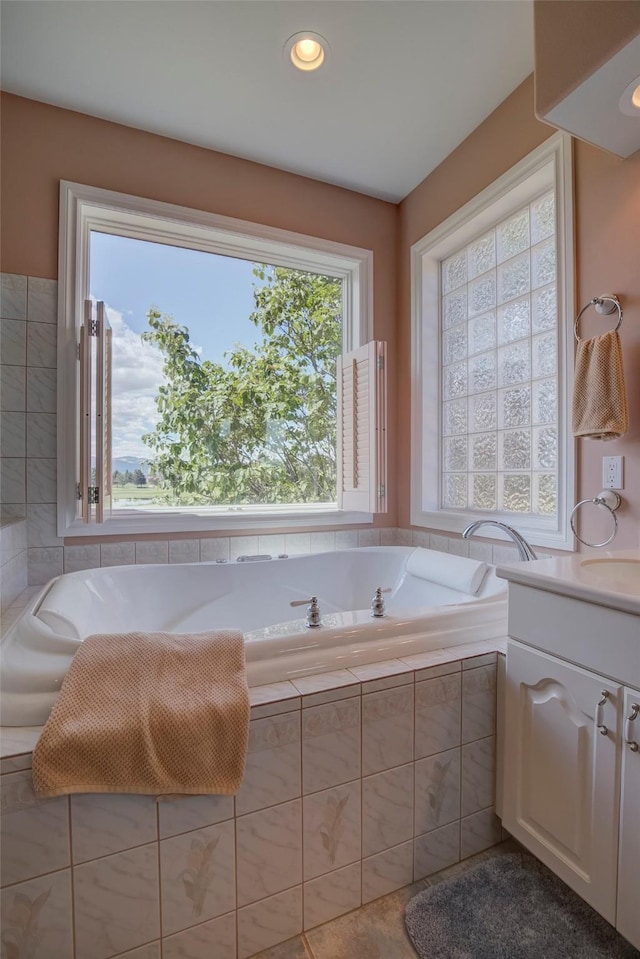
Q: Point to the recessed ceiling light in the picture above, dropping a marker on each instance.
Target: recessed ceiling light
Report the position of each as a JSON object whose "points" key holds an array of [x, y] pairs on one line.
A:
{"points": [[630, 99], [307, 51]]}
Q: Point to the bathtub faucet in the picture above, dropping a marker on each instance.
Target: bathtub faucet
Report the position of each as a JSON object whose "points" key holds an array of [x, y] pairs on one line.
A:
{"points": [[377, 603], [525, 551], [313, 610]]}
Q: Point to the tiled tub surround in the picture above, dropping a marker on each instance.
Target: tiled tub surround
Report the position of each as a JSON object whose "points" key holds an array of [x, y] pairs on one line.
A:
{"points": [[13, 561], [357, 783]]}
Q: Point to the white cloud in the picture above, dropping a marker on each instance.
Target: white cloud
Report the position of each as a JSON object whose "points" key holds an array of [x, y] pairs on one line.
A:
{"points": [[137, 375]]}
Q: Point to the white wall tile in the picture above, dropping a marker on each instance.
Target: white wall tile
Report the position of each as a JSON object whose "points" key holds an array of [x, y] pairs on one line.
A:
{"points": [[368, 537], [346, 538], [104, 823], [386, 871], [273, 768], [437, 797], [42, 300], [436, 850], [12, 434], [271, 544], [387, 809], [297, 544], [332, 829], [214, 548], [197, 876], [480, 551], [473, 662], [35, 831], [404, 537], [13, 342], [261, 871], [81, 557], [215, 939], [504, 554], [389, 536], [420, 538], [13, 391], [387, 729], [36, 918], [42, 342], [184, 551], [41, 480], [117, 905], [438, 708], [439, 543], [242, 546], [117, 554], [42, 528], [41, 435], [459, 547], [323, 542], [152, 551], [478, 703], [330, 744], [332, 895], [13, 486], [186, 813], [41, 390], [265, 924], [13, 296], [478, 775], [479, 831], [44, 563]]}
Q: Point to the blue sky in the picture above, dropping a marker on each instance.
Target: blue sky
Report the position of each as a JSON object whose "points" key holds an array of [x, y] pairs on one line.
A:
{"points": [[211, 295]]}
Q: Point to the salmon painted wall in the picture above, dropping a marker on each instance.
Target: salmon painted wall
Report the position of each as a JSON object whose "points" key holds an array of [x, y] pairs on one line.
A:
{"points": [[42, 145], [607, 217]]}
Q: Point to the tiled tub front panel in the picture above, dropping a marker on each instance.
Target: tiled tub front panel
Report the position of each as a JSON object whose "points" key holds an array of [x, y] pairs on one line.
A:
{"points": [[349, 793]]}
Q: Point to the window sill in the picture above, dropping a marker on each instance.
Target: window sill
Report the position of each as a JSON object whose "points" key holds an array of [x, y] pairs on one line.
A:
{"points": [[539, 532], [196, 519]]}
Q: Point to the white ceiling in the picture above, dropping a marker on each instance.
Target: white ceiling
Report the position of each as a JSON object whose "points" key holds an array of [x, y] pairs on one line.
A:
{"points": [[405, 83]]}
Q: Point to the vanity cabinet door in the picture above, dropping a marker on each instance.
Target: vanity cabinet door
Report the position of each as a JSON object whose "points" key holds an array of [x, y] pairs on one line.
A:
{"points": [[561, 770], [628, 922]]}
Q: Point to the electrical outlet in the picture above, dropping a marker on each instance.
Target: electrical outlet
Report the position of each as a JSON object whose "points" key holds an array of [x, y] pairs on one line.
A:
{"points": [[612, 472]]}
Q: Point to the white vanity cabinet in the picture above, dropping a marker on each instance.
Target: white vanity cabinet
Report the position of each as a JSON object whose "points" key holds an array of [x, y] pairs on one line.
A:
{"points": [[628, 915], [571, 769], [562, 770]]}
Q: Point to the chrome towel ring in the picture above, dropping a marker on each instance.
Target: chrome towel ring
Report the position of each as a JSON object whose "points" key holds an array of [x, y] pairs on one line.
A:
{"points": [[611, 501], [606, 304]]}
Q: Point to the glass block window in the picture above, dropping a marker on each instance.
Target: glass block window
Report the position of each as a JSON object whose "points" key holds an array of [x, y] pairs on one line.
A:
{"points": [[499, 382]]}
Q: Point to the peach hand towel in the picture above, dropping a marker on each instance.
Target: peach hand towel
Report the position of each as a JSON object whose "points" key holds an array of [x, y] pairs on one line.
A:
{"points": [[153, 713], [600, 408]]}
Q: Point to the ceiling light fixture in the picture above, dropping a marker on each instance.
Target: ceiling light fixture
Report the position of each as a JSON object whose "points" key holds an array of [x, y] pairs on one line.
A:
{"points": [[630, 99], [307, 51]]}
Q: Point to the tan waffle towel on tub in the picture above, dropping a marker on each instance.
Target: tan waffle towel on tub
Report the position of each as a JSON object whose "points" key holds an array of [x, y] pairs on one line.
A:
{"points": [[599, 397], [154, 713]]}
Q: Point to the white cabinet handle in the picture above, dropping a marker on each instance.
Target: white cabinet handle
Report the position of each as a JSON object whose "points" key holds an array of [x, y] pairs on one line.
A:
{"points": [[601, 726], [628, 729]]}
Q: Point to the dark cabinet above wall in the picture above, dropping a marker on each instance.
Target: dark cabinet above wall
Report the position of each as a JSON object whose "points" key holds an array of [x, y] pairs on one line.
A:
{"points": [[587, 70]]}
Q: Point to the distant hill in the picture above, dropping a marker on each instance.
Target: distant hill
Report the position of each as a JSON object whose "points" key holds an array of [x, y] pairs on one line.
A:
{"points": [[131, 463]]}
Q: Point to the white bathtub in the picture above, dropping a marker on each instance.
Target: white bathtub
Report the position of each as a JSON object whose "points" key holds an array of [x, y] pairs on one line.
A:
{"points": [[254, 597]]}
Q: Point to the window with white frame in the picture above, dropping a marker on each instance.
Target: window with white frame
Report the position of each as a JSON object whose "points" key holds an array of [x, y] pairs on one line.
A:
{"points": [[224, 415], [492, 302]]}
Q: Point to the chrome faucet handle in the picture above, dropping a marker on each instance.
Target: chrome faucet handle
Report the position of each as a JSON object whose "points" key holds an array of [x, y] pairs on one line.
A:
{"points": [[377, 603], [313, 610]]}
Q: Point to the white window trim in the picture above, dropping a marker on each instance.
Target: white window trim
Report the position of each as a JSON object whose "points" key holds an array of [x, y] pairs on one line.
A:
{"points": [[84, 208], [426, 255]]}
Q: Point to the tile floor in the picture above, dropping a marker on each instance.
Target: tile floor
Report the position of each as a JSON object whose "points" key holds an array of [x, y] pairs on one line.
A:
{"points": [[375, 931]]}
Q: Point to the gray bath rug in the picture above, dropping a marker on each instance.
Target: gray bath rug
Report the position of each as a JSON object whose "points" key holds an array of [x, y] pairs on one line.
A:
{"points": [[510, 907]]}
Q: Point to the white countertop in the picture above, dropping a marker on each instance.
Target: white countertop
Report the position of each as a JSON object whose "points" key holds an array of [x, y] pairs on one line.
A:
{"points": [[591, 577]]}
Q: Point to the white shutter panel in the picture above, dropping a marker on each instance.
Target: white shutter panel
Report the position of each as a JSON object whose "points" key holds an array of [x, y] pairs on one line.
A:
{"points": [[362, 429]]}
